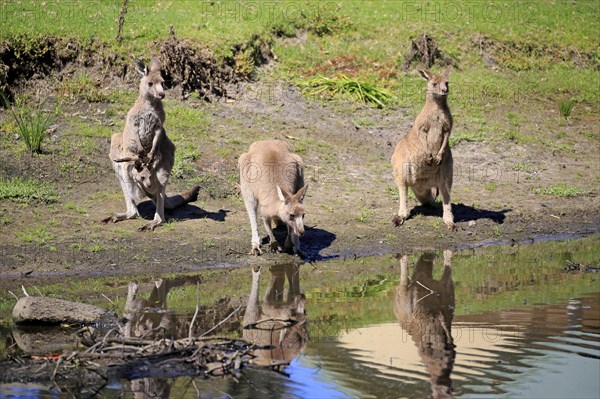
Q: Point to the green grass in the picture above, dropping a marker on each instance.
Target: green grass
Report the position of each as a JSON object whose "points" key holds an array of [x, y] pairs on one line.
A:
{"points": [[27, 190], [365, 214], [566, 107], [561, 190], [82, 87], [357, 89], [466, 137], [38, 235], [32, 126]]}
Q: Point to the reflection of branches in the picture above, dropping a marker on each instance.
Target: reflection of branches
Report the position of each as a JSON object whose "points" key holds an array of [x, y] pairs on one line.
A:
{"points": [[196, 311], [222, 321], [286, 324], [431, 292]]}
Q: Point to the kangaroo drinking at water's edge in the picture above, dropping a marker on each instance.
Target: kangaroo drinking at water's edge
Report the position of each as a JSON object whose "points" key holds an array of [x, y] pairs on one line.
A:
{"points": [[142, 155], [422, 159], [272, 178]]}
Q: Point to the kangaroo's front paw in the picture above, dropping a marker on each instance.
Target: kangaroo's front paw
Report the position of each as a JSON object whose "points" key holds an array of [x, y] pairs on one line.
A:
{"points": [[255, 251], [437, 160], [429, 159], [398, 220]]}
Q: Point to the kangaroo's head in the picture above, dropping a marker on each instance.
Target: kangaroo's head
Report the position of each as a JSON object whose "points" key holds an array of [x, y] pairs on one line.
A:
{"points": [[142, 175], [291, 211], [437, 85], [151, 84]]}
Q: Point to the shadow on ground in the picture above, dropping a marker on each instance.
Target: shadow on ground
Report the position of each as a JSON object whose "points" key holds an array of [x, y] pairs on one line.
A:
{"points": [[312, 243], [185, 212], [462, 213]]}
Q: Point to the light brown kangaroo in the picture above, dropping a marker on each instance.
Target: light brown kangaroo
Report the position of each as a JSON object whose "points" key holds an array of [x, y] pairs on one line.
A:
{"points": [[425, 309], [143, 151], [272, 178], [422, 159]]}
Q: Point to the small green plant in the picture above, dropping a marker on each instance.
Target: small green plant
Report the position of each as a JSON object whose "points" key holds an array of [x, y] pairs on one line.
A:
{"points": [[32, 126], [26, 190], [355, 88], [455, 139], [95, 248], [326, 23], [566, 107], [365, 214], [522, 167], [561, 190], [38, 235], [74, 207]]}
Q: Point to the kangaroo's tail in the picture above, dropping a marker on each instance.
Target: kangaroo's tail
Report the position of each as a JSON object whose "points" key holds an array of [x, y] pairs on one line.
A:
{"points": [[182, 199]]}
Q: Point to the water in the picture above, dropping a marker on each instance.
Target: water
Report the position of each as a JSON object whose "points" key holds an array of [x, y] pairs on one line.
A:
{"points": [[486, 323]]}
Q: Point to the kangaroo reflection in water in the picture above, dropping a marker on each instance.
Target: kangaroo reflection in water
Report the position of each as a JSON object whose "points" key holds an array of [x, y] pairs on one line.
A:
{"points": [[278, 327], [149, 319], [425, 308]]}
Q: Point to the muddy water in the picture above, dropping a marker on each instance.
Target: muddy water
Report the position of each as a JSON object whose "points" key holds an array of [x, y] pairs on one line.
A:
{"points": [[486, 323]]}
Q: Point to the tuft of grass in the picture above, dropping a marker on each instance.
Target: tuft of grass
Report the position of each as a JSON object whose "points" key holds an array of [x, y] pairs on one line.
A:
{"points": [[354, 88], [365, 214], [455, 139], [566, 107], [83, 87], [561, 190], [37, 235], [27, 190], [32, 126]]}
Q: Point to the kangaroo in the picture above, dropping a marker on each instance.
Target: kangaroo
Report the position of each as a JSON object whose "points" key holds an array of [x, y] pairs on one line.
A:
{"points": [[278, 327], [426, 315], [143, 155], [272, 178], [422, 159], [143, 131]]}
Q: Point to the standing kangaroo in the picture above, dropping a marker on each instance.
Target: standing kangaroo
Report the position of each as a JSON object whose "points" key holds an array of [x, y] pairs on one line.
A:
{"points": [[272, 178], [142, 155], [422, 159]]}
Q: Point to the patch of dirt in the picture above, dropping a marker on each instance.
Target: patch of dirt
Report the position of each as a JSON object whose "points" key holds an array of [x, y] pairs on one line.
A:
{"points": [[517, 55], [424, 51]]}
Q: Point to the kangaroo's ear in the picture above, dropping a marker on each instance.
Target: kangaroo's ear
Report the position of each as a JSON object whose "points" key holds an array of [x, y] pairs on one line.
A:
{"points": [[155, 64], [138, 165], [447, 71], [141, 68], [283, 195], [301, 193], [426, 74]]}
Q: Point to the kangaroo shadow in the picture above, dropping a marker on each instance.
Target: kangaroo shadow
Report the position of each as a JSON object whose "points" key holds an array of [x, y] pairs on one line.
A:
{"points": [[184, 212], [312, 242], [462, 213]]}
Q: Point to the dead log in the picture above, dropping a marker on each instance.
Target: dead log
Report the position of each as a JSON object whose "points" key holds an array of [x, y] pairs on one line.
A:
{"points": [[44, 310]]}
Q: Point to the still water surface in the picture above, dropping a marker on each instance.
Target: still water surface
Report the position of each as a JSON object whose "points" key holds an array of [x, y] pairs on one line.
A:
{"points": [[486, 323]]}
